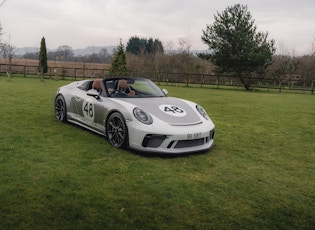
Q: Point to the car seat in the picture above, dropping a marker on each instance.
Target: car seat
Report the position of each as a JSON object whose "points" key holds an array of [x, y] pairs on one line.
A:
{"points": [[97, 84]]}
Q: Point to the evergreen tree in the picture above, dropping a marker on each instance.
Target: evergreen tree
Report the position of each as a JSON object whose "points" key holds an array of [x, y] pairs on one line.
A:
{"points": [[141, 46], [158, 47], [43, 66], [150, 49], [119, 64], [235, 46], [136, 45]]}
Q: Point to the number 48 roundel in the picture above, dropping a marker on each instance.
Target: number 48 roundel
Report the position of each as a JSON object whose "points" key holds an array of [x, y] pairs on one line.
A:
{"points": [[173, 110], [88, 110]]}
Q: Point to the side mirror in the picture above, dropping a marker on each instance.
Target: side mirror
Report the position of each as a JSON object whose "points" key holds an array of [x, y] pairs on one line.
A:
{"points": [[165, 91], [93, 93]]}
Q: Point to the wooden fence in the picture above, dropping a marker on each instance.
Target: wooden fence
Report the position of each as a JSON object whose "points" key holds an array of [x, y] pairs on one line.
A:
{"points": [[202, 80], [63, 72]]}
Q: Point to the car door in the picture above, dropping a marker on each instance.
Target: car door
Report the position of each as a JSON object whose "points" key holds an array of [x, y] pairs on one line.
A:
{"points": [[90, 110]]}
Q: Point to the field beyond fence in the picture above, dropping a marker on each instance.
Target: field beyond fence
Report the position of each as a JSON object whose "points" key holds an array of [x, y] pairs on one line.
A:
{"points": [[77, 71]]}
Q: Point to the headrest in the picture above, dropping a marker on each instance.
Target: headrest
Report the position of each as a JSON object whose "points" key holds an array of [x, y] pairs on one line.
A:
{"points": [[123, 84], [97, 84]]}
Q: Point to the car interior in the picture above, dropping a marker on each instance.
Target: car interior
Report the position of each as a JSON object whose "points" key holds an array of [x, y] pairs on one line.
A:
{"points": [[119, 87]]}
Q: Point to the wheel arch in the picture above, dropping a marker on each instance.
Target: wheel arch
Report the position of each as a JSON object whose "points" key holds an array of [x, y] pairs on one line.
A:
{"points": [[119, 109], [108, 116], [64, 98]]}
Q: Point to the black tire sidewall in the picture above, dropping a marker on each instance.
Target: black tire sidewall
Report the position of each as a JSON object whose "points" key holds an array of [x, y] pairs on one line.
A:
{"points": [[60, 97], [124, 144]]}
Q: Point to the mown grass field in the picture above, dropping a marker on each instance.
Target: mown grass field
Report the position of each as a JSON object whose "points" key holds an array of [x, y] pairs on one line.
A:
{"points": [[259, 175]]}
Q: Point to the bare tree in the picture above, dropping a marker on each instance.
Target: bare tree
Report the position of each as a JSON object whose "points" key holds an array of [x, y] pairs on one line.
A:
{"points": [[185, 45], [8, 51], [313, 47], [1, 3], [0, 34], [64, 53], [170, 47], [185, 57]]}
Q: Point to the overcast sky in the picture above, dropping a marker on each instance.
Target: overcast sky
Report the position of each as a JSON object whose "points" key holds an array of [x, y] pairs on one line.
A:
{"points": [[82, 23]]}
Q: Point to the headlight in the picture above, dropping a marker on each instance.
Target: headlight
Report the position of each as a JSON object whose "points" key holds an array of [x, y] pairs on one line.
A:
{"points": [[142, 116], [202, 111]]}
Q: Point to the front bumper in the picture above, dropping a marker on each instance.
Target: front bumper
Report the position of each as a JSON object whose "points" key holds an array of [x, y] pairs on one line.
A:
{"points": [[171, 139]]}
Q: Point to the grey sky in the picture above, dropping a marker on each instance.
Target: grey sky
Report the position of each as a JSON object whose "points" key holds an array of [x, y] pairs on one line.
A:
{"points": [[81, 23]]}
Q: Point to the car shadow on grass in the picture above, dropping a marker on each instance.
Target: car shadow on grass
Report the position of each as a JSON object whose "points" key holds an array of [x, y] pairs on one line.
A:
{"points": [[165, 155]]}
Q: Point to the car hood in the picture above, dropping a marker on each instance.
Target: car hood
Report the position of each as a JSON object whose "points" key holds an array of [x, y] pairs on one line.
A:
{"points": [[173, 111]]}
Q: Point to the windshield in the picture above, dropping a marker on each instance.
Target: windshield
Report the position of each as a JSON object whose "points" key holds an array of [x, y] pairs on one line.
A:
{"points": [[132, 87]]}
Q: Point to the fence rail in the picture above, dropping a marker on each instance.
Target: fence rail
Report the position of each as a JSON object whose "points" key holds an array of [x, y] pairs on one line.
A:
{"points": [[187, 79]]}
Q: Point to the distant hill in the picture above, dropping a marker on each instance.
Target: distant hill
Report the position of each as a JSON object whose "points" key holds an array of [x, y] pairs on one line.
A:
{"points": [[93, 49], [77, 52]]}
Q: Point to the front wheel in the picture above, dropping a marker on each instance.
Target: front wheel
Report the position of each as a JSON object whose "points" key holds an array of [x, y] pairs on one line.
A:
{"points": [[60, 109], [116, 130]]}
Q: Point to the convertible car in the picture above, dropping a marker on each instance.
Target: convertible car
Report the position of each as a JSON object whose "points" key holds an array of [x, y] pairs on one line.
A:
{"points": [[135, 113]]}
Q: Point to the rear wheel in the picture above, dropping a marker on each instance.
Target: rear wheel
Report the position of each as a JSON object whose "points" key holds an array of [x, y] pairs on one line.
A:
{"points": [[60, 108], [116, 130]]}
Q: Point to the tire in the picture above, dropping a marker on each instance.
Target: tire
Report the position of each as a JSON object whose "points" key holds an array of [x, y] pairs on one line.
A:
{"points": [[116, 130], [60, 109]]}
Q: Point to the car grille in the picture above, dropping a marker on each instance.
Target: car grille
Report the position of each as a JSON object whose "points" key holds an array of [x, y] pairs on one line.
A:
{"points": [[189, 143]]}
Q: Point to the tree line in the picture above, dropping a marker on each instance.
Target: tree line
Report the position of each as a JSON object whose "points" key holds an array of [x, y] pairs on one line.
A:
{"points": [[235, 48], [66, 53]]}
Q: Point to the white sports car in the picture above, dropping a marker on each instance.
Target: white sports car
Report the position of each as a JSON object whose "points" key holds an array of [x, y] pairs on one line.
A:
{"points": [[135, 113]]}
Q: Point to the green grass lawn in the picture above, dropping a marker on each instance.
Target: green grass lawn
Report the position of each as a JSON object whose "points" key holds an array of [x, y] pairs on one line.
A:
{"points": [[259, 175]]}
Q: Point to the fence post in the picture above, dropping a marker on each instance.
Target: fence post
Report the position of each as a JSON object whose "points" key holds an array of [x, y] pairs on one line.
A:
{"points": [[218, 81], [312, 88], [202, 80]]}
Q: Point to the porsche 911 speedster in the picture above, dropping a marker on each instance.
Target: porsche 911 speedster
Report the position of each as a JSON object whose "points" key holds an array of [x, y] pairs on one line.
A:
{"points": [[135, 113]]}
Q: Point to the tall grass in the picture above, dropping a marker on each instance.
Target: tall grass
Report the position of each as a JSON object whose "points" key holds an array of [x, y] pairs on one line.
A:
{"points": [[259, 175]]}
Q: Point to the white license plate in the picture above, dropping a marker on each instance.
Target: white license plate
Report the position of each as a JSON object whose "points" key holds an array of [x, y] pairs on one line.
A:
{"points": [[191, 136]]}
